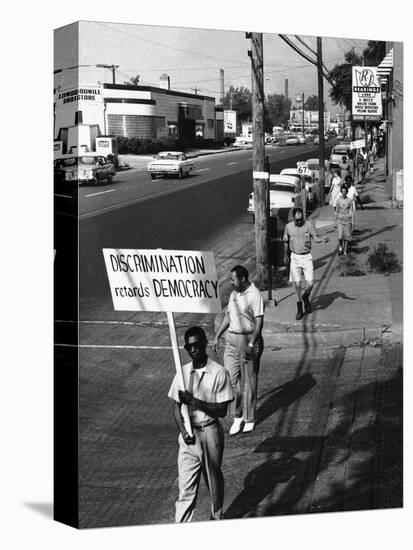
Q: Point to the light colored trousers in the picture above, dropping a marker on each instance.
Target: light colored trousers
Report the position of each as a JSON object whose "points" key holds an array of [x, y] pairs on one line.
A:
{"points": [[205, 457], [243, 375]]}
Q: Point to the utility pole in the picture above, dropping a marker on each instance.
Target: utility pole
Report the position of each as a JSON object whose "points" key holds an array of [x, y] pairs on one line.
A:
{"points": [[221, 79], [260, 176], [112, 68], [321, 163]]}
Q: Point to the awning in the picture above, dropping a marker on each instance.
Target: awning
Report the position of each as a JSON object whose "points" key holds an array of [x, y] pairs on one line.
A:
{"points": [[385, 67]]}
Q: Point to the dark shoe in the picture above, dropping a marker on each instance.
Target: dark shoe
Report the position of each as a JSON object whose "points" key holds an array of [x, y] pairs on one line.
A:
{"points": [[307, 305], [300, 313]]}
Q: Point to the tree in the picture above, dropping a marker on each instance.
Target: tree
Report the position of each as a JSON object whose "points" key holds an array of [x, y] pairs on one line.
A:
{"points": [[311, 103], [276, 111], [133, 80], [241, 101], [341, 75], [374, 52]]}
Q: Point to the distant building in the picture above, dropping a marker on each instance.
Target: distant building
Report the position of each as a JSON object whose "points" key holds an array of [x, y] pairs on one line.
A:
{"points": [[125, 110], [295, 122]]}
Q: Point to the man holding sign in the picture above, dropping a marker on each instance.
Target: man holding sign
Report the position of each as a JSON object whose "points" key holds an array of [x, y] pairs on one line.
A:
{"points": [[208, 395]]}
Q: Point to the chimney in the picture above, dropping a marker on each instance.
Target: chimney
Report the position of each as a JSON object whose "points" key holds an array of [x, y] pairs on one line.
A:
{"points": [[164, 82]]}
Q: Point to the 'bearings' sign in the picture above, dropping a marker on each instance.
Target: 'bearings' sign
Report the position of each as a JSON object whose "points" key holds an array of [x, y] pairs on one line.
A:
{"points": [[366, 92]]}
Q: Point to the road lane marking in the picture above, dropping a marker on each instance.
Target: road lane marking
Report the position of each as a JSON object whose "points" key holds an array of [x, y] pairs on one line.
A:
{"points": [[231, 163], [100, 193], [63, 196], [131, 323], [202, 169], [112, 347]]}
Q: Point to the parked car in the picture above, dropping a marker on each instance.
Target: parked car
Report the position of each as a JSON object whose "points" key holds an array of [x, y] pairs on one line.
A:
{"points": [[292, 140], [88, 168], [338, 151], [170, 163], [313, 165], [302, 139], [285, 192], [339, 137], [316, 140], [307, 179]]}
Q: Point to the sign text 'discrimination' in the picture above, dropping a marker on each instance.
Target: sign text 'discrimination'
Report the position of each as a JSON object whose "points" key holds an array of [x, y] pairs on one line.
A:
{"points": [[162, 280]]}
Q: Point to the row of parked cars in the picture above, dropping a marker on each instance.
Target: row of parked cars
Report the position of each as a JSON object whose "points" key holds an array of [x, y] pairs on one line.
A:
{"points": [[295, 187]]}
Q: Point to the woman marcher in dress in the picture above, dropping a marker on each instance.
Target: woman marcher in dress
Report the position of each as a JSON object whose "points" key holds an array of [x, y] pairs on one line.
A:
{"points": [[344, 220], [334, 192]]}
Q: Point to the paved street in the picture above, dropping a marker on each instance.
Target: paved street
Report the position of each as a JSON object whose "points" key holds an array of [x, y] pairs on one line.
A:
{"points": [[329, 432]]}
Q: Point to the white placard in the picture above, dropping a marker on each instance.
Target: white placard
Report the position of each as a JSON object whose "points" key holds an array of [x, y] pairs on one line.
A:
{"points": [[358, 144], [366, 92], [162, 280]]}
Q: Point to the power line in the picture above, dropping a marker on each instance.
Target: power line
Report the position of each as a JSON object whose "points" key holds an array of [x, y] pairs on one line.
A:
{"points": [[168, 46], [300, 52]]}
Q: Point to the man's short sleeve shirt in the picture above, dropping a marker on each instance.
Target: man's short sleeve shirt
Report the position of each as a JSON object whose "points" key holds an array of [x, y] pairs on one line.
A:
{"points": [[299, 237], [210, 383], [243, 307]]}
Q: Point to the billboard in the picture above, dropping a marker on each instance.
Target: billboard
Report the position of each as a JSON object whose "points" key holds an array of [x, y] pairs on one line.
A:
{"points": [[230, 122], [366, 92]]}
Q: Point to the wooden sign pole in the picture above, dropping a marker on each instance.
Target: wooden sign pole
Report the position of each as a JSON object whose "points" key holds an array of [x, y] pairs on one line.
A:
{"points": [[178, 367]]}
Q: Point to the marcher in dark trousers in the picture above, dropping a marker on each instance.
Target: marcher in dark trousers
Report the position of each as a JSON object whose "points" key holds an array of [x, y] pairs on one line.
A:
{"points": [[207, 395], [297, 240]]}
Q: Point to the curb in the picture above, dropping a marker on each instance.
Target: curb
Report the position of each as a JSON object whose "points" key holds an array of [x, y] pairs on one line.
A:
{"points": [[312, 339]]}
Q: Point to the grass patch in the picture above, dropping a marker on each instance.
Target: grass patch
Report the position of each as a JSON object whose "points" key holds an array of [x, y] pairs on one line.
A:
{"points": [[349, 266], [382, 260]]}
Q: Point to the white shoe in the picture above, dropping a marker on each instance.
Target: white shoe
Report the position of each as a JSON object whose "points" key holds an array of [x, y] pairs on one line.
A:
{"points": [[248, 427], [236, 426]]}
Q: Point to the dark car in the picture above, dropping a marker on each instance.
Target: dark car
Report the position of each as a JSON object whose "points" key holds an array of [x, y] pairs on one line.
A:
{"points": [[88, 168]]}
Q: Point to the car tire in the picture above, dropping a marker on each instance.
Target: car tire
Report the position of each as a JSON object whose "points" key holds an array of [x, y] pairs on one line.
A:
{"points": [[109, 181], [153, 176], [180, 174]]}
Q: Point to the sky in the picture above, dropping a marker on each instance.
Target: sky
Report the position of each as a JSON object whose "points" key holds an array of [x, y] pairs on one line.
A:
{"points": [[193, 57]]}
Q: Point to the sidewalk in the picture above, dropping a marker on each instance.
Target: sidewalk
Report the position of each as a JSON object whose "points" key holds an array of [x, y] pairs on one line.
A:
{"points": [[352, 308], [137, 161]]}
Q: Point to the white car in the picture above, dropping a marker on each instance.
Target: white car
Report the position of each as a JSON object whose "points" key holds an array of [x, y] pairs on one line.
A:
{"points": [[170, 163], [292, 140], [314, 166], [302, 139], [306, 176], [338, 152], [285, 192]]}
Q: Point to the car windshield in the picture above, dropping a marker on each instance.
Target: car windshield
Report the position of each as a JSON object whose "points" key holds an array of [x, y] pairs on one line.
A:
{"points": [[169, 156], [312, 166], [88, 160], [274, 186], [72, 161]]}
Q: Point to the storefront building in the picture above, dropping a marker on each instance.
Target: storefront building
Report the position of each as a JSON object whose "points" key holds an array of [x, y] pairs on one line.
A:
{"points": [[144, 112]]}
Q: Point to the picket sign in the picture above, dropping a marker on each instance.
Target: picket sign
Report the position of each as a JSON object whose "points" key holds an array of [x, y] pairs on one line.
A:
{"points": [[164, 280]]}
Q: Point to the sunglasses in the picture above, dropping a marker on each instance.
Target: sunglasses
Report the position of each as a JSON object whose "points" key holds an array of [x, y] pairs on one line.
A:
{"points": [[197, 345]]}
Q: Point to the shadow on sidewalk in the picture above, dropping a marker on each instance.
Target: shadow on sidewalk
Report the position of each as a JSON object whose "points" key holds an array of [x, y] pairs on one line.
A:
{"points": [[325, 300], [352, 466], [284, 395]]}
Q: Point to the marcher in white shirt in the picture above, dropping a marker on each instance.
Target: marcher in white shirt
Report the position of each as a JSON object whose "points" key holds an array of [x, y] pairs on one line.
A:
{"points": [[244, 346], [208, 393]]}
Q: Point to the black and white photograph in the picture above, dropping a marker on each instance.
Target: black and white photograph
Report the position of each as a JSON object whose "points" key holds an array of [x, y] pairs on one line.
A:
{"points": [[228, 256], [212, 250]]}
